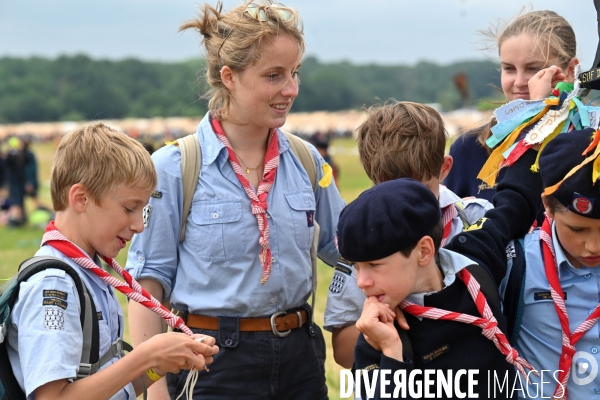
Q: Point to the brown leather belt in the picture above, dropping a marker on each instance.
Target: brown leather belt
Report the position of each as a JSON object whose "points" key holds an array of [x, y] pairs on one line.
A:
{"points": [[281, 323]]}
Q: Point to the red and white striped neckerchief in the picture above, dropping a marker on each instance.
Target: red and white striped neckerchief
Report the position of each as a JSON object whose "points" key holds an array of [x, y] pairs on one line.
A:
{"points": [[448, 214], [130, 288], [568, 340], [488, 322], [258, 198]]}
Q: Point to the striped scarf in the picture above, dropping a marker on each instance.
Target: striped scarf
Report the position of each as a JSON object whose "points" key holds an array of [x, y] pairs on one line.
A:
{"points": [[487, 323], [258, 198], [568, 340], [448, 214], [130, 288]]}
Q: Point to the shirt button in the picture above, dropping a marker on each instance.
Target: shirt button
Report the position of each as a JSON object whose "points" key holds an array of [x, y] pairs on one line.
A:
{"points": [[273, 300], [590, 312], [597, 390], [587, 276], [462, 239], [594, 350], [268, 215], [215, 215], [140, 258], [273, 259]]}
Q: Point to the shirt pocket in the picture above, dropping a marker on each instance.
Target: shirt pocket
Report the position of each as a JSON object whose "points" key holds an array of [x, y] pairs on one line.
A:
{"points": [[302, 210], [218, 229]]}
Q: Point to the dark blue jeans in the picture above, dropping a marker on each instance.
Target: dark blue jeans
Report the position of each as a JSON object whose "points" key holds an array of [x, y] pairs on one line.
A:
{"points": [[261, 366]]}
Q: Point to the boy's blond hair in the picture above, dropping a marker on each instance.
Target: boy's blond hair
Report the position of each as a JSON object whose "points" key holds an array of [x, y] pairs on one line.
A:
{"points": [[402, 140], [101, 159]]}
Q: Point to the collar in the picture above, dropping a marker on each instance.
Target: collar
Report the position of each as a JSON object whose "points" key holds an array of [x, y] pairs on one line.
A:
{"points": [[450, 263], [447, 197], [212, 147]]}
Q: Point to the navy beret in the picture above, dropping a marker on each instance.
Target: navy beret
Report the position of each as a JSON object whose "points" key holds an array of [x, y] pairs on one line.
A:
{"points": [[389, 217], [577, 193]]}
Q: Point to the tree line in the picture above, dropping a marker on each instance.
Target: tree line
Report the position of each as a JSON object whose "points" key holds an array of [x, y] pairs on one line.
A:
{"points": [[74, 88]]}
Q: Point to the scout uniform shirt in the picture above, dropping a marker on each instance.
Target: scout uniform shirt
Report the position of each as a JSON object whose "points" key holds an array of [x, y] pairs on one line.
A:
{"points": [[45, 337]]}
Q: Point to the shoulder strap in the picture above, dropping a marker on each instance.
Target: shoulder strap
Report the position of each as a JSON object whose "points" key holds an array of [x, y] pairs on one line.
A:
{"points": [[487, 284], [191, 161], [460, 210], [514, 293], [305, 156], [88, 319]]}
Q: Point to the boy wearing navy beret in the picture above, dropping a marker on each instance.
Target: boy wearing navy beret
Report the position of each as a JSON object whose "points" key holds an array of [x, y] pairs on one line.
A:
{"points": [[391, 233], [397, 140], [557, 331]]}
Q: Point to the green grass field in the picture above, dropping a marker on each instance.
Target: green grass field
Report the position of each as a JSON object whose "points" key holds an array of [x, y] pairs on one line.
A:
{"points": [[19, 244]]}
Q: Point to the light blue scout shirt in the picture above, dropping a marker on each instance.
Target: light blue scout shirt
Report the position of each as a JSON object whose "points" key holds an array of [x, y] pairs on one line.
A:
{"points": [[216, 270], [44, 341], [540, 337], [345, 300]]}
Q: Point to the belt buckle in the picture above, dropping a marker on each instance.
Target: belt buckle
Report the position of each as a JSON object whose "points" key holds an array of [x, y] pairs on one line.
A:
{"points": [[274, 325]]}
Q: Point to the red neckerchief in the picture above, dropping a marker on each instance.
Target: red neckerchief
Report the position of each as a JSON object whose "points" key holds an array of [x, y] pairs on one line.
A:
{"points": [[448, 214], [568, 340], [130, 288], [487, 323], [258, 198]]}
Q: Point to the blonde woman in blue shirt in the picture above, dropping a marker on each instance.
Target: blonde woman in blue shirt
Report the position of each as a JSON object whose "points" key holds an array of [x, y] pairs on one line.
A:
{"points": [[243, 272]]}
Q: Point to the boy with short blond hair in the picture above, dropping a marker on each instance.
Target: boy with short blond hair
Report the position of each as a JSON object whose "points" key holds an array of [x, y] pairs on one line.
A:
{"points": [[397, 140], [101, 181]]}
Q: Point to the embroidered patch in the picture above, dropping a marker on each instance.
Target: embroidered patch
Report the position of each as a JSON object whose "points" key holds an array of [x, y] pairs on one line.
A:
{"points": [[51, 301], [343, 268], [435, 354], [146, 214], [310, 218], [99, 315], [510, 250], [477, 225], [537, 296], [54, 319], [582, 204], [156, 194], [337, 283], [56, 294]]}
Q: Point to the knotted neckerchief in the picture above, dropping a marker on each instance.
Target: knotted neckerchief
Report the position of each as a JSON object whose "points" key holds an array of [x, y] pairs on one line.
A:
{"points": [[448, 214], [258, 198], [488, 322], [568, 340], [130, 288]]}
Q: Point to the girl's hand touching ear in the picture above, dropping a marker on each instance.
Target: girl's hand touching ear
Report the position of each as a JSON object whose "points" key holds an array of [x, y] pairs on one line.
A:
{"points": [[542, 83]]}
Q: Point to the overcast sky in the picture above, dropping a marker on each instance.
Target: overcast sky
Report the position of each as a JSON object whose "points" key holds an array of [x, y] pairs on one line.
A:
{"points": [[360, 31]]}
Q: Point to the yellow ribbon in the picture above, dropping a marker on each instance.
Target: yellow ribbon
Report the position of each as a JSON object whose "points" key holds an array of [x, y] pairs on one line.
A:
{"points": [[595, 172], [490, 169], [327, 176]]}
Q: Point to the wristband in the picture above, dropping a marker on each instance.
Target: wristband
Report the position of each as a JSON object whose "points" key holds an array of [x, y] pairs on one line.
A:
{"points": [[153, 375]]}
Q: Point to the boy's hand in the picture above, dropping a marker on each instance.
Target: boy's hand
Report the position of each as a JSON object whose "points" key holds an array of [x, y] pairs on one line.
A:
{"points": [[377, 325], [542, 83], [175, 351]]}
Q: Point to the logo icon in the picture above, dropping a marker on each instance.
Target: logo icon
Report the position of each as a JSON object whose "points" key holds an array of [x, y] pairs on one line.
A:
{"points": [[580, 368], [581, 204]]}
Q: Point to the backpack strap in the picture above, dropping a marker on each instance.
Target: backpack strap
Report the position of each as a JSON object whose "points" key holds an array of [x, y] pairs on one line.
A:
{"points": [[514, 293], [301, 150], [486, 283], [191, 160], [460, 210], [87, 317]]}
